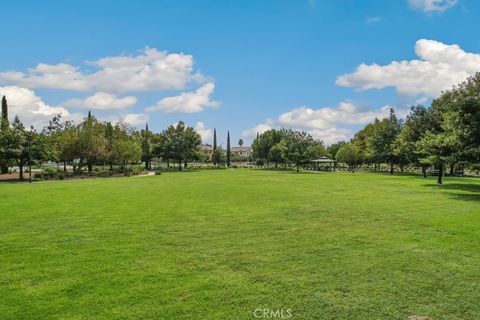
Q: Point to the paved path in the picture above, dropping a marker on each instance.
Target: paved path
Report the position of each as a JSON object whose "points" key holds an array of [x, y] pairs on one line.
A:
{"points": [[150, 173]]}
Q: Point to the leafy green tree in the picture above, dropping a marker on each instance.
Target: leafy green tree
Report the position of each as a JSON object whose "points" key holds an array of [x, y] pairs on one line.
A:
{"points": [[126, 146], [417, 123], [60, 139], [19, 148], [316, 150], [91, 144], [333, 148], [349, 154], [240, 142], [381, 143], [179, 143], [360, 142], [277, 153], [192, 144], [262, 145], [297, 144], [438, 146]]}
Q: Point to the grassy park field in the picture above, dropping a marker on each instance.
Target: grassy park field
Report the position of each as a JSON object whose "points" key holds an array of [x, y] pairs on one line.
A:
{"points": [[218, 244]]}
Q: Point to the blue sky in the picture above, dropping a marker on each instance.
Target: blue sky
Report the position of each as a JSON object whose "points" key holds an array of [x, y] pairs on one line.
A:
{"points": [[243, 66]]}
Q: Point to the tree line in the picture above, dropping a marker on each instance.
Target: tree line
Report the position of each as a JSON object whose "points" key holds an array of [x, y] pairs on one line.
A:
{"points": [[444, 136], [286, 146], [91, 142]]}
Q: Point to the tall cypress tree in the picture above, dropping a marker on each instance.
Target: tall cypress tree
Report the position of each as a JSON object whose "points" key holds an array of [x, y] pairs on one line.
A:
{"points": [[3, 127], [214, 154], [147, 147], [228, 149], [4, 113]]}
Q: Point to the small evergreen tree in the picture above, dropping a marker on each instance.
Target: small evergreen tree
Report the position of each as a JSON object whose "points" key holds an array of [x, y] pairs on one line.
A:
{"points": [[228, 149], [4, 134], [4, 113], [215, 154]]}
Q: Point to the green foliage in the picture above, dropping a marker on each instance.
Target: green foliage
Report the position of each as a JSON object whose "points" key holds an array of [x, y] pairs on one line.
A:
{"points": [[297, 144], [262, 145], [282, 146], [147, 141], [179, 143], [333, 148], [349, 154], [229, 155]]}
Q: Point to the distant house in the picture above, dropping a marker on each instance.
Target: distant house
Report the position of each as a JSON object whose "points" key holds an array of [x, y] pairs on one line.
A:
{"points": [[242, 151], [207, 149]]}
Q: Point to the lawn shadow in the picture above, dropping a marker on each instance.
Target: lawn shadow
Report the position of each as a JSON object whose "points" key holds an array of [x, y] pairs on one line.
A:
{"points": [[469, 191]]}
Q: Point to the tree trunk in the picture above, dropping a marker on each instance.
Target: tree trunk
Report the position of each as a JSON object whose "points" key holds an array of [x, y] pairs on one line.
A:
{"points": [[391, 168], [180, 165], [297, 167], [424, 171], [452, 167], [65, 166], [90, 167], [20, 167], [440, 174], [185, 164]]}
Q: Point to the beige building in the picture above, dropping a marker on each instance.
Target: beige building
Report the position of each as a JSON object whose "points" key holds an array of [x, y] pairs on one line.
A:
{"points": [[242, 151]]}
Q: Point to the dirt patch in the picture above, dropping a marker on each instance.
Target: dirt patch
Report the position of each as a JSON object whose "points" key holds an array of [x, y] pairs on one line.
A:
{"points": [[9, 177], [415, 317]]}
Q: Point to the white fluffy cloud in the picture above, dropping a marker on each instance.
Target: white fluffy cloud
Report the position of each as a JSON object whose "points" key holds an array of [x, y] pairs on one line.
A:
{"points": [[204, 132], [187, 102], [432, 5], [327, 124], [135, 119], [102, 101], [440, 67], [151, 70], [30, 108]]}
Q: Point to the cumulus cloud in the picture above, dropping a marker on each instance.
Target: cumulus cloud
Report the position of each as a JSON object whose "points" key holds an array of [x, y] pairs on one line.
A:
{"points": [[135, 119], [440, 67], [327, 124], [187, 102], [259, 129], [151, 70], [432, 5], [204, 132], [30, 108], [102, 101]]}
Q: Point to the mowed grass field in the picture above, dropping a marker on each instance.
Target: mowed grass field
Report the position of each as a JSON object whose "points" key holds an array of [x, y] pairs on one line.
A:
{"points": [[220, 244]]}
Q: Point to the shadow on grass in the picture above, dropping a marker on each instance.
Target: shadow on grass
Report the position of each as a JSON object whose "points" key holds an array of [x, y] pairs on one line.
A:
{"points": [[470, 191]]}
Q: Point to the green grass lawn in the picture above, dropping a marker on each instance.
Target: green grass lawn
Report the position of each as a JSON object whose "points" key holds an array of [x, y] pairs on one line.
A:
{"points": [[220, 244]]}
